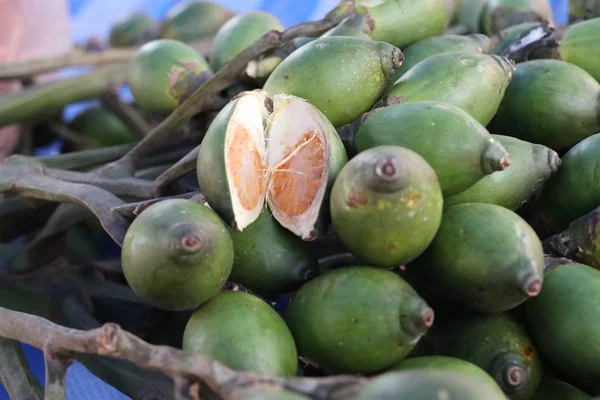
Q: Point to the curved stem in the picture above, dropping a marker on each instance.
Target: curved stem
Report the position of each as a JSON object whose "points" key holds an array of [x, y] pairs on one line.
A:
{"points": [[111, 341]]}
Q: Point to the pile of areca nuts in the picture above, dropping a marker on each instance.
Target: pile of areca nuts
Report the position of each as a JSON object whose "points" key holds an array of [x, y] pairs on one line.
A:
{"points": [[400, 201]]}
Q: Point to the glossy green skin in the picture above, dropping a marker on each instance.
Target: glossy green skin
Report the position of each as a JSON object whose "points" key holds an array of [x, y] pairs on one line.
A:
{"points": [[102, 126], [133, 30], [531, 166], [484, 256], [404, 22], [210, 165], [356, 320], [192, 20], [414, 54], [449, 364], [574, 190], [501, 14], [342, 76], [269, 258], [244, 333], [508, 35], [552, 389], [160, 271], [451, 141], [400, 217], [580, 46], [163, 72], [488, 341], [549, 102], [565, 326], [240, 32], [472, 82], [427, 385]]}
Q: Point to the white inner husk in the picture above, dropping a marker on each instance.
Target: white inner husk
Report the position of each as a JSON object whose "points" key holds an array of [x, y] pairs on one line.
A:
{"points": [[291, 120], [248, 113]]}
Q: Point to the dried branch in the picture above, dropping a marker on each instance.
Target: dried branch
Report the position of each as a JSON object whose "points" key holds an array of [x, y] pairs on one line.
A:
{"points": [[152, 173], [165, 157], [120, 374], [22, 167], [132, 210], [122, 187], [39, 102], [97, 200], [80, 58], [551, 263], [78, 141], [182, 167], [87, 159], [130, 117], [15, 374], [224, 78], [111, 341]]}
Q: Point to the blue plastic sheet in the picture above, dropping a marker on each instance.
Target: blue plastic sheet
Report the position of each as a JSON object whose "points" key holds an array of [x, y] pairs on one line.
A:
{"points": [[94, 17]]}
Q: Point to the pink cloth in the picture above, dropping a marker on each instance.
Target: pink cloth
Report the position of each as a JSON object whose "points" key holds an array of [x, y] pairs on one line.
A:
{"points": [[29, 29]]}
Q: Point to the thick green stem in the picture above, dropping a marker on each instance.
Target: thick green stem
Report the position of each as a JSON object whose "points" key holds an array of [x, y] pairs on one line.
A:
{"points": [[44, 101]]}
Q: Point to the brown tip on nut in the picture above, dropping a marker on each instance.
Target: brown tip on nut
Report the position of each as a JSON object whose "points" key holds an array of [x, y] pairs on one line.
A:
{"points": [[311, 236], [386, 169], [534, 288], [515, 375], [427, 316], [505, 162], [397, 58], [557, 160], [370, 22], [191, 243]]}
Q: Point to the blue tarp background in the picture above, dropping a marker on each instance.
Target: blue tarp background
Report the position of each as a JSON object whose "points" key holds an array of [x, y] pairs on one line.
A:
{"points": [[94, 17]]}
